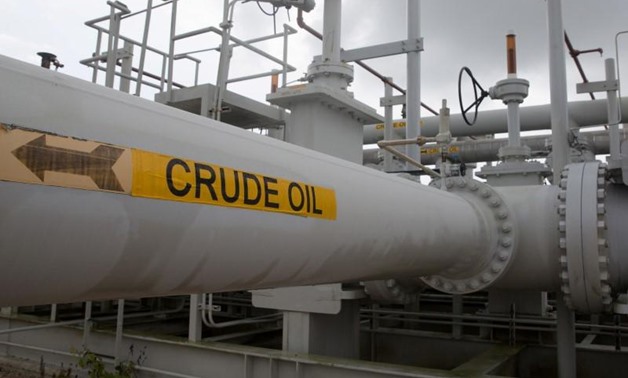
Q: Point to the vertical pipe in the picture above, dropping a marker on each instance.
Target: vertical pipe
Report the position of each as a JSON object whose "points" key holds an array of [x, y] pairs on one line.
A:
{"points": [[514, 132], [558, 88], [613, 111], [223, 65], [514, 127], [388, 125], [332, 31], [87, 324], [566, 340], [173, 27], [413, 94], [140, 71], [196, 70], [284, 74], [119, 327], [127, 68]]}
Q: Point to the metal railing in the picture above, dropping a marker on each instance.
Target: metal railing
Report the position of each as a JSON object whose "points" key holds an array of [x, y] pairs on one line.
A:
{"points": [[115, 56]]}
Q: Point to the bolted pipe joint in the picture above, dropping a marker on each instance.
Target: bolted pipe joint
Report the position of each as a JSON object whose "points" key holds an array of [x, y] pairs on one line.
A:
{"points": [[477, 271]]}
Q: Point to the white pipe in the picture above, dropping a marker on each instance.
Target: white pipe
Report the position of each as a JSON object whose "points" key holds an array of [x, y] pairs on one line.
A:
{"points": [[482, 150], [514, 134], [208, 316], [558, 88], [388, 127], [413, 94], [613, 111], [538, 117], [332, 31], [94, 245]]}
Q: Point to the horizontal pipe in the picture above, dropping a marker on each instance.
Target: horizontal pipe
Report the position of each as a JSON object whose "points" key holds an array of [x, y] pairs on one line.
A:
{"points": [[582, 113], [482, 150], [61, 245]]}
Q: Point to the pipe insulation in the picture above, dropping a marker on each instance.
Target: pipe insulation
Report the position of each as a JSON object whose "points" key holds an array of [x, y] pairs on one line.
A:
{"points": [[537, 117], [60, 244]]}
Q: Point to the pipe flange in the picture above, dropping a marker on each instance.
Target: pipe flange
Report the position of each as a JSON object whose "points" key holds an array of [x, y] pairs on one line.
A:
{"points": [[584, 249], [479, 271], [318, 69]]}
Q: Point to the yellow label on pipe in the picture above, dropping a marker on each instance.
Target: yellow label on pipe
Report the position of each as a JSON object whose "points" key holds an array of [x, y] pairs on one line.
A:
{"points": [[169, 178], [35, 157]]}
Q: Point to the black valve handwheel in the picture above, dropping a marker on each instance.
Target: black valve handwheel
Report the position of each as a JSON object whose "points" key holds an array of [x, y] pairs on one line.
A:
{"points": [[479, 93]]}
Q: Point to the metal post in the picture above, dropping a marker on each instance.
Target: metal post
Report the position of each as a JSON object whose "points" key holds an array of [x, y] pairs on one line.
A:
{"points": [[388, 125], [87, 324], [223, 65], [127, 68], [196, 70], [173, 29], [558, 88], [195, 323], [119, 327], [140, 71], [613, 111], [413, 95], [112, 47], [97, 53], [53, 313], [284, 73], [457, 309], [164, 63], [566, 339], [332, 31]]}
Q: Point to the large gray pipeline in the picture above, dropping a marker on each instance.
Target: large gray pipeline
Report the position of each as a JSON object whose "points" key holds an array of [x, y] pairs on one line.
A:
{"points": [[59, 244], [63, 245]]}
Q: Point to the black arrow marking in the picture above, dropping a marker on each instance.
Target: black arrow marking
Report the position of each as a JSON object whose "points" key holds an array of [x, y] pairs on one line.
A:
{"points": [[98, 164]]}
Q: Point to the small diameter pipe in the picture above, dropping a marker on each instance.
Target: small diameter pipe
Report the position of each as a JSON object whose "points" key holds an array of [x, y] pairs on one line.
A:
{"points": [[558, 88], [514, 132], [613, 111], [332, 31], [389, 146], [413, 95], [208, 316], [388, 126]]}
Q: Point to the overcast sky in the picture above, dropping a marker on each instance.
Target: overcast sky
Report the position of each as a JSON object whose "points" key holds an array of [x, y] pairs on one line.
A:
{"points": [[456, 33]]}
